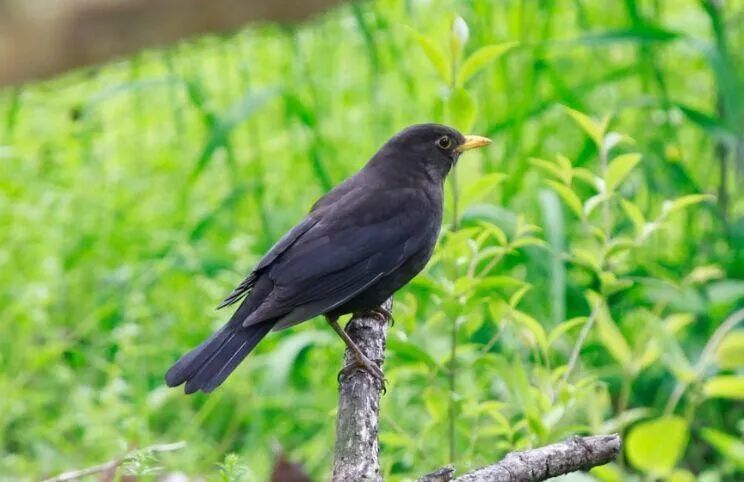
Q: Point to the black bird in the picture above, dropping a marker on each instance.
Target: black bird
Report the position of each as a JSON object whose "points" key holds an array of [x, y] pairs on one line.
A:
{"points": [[357, 246]]}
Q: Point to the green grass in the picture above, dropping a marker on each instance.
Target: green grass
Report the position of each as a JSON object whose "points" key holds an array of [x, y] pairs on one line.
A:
{"points": [[134, 196]]}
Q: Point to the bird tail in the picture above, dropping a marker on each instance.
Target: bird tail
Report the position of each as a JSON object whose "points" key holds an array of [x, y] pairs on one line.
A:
{"points": [[209, 364]]}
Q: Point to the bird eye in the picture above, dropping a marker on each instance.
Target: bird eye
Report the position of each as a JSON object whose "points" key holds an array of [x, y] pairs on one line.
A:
{"points": [[444, 142]]}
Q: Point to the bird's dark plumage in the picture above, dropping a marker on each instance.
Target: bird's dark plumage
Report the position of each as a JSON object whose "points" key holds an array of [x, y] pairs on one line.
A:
{"points": [[359, 244]]}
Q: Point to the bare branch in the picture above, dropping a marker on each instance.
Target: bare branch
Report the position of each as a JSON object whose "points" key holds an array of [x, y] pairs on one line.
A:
{"points": [[357, 448], [577, 453], [110, 466], [46, 37]]}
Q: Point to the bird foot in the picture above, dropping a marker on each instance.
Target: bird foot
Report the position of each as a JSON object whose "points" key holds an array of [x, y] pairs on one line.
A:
{"points": [[379, 313], [364, 364]]}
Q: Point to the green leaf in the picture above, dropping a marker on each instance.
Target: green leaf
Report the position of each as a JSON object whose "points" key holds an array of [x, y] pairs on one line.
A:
{"points": [[730, 352], [608, 473], [619, 168], [565, 327], [650, 354], [434, 54], [495, 231], [569, 197], [614, 341], [480, 59], [726, 291], [712, 125], [462, 109], [220, 132], [612, 139], [494, 282], [730, 447], [635, 215], [527, 241], [548, 166], [586, 257], [725, 386], [515, 298], [592, 203], [481, 188], [524, 228], [409, 352], [618, 246], [704, 274], [435, 402], [656, 446], [643, 33], [594, 129], [676, 322], [680, 475], [611, 284], [391, 440], [534, 327], [611, 337], [587, 176], [284, 360], [566, 167], [670, 207]]}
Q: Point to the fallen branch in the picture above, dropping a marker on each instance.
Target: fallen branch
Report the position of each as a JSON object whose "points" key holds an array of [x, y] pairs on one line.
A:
{"points": [[110, 467], [577, 453]]}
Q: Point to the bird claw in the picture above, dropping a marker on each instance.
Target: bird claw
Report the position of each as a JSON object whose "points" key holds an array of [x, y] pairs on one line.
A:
{"points": [[379, 313], [364, 364]]}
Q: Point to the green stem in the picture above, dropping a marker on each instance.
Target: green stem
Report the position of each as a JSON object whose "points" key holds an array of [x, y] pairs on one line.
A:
{"points": [[452, 386], [622, 403], [580, 342], [455, 200], [12, 115], [452, 375], [606, 202]]}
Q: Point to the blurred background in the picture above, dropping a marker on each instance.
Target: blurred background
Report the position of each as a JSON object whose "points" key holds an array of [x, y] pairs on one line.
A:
{"points": [[591, 276]]}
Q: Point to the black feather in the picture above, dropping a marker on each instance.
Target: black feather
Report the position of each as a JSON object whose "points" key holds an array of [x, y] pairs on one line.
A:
{"points": [[209, 364], [245, 287]]}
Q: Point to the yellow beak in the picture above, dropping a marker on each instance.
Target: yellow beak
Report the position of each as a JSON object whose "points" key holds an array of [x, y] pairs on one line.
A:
{"points": [[473, 142]]}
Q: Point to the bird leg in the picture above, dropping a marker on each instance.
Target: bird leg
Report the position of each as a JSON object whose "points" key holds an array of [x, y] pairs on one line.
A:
{"points": [[382, 314], [361, 360]]}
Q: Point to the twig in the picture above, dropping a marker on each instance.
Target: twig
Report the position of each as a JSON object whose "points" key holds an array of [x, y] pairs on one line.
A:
{"points": [[577, 453], [357, 448], [112, 465], [574, 358]]}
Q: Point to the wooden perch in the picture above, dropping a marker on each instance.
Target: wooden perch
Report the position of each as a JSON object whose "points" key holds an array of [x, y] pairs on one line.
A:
{"points": [[40, 38], [357, 447]]}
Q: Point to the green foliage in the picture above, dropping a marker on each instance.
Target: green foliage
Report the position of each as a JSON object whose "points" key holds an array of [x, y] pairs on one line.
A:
{"points": [[589, 276], [231, 469], [656, 446]]}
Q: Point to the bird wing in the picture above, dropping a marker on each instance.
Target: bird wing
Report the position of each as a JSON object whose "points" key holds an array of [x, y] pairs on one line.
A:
{"points": [[279, 247], [355, 242]]}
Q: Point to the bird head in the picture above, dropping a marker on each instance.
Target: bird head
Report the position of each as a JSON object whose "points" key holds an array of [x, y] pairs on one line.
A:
{"points": [[430, 149]]}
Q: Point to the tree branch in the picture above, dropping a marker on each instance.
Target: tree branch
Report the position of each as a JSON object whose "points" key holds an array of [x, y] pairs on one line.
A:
{"points": [[577, 453], [357, 448], [46, 37]]}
